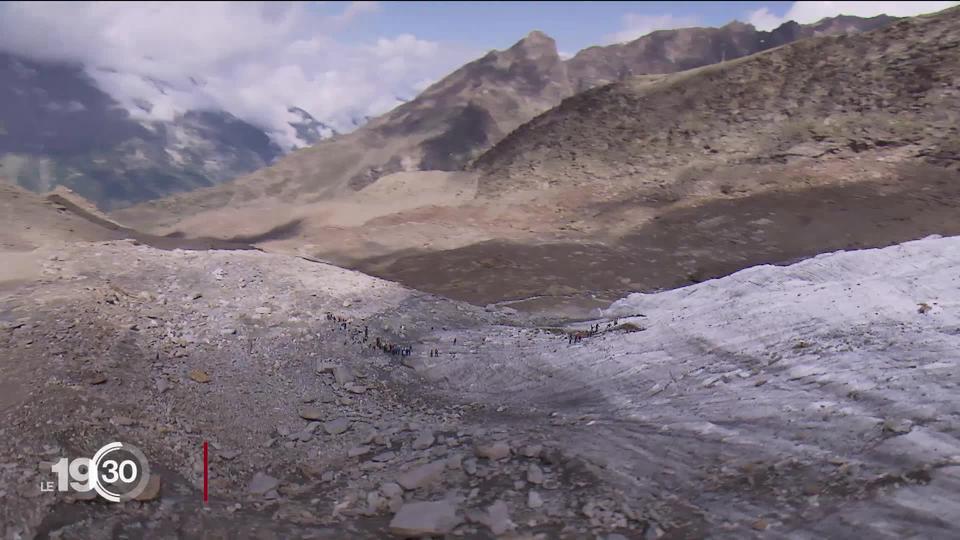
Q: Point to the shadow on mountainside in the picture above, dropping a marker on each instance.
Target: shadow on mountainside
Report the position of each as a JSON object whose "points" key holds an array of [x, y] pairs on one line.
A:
{"points": [[170, 241], [688, 244]]}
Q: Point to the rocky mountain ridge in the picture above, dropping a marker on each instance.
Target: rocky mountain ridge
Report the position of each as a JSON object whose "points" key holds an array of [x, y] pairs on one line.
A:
{"points": [[456, 119], [58, 128]]}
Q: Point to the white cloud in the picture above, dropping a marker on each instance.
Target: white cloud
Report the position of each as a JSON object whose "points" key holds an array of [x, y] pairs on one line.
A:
{"points": [[811, 12], [356, 9], [252, 59], [636, 25]]}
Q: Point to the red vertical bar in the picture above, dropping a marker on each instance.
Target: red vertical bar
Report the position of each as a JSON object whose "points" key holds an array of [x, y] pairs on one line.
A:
{"points": [[204, 472]]}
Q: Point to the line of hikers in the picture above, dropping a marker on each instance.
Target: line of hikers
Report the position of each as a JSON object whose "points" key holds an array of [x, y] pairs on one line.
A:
{"points": [[577, 337], [389, 348], [393, 348]]}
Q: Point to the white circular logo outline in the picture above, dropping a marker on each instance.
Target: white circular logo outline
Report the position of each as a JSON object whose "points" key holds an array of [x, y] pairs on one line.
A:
{"points": [[95, 471]]}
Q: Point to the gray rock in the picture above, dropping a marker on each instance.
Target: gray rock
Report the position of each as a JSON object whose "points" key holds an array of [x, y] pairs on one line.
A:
{"points": [[470, 466], [534, 474], [422, 476], [343, 375], [336, 427], [498, 518], [494, 451], [358, 451], [326, 395], [384, 457], [375, 502], [355, 388], [391, 490], [311, 413], [325, 367], [652, 532], [534, 500], [425, 440], [151, 491], [261, 484], [532, 450], [417, 519], [898, 426], [455, 462]]}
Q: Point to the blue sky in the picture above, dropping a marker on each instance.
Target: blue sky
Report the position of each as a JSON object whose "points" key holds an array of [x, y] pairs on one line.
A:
{"points": [[574, 25]]}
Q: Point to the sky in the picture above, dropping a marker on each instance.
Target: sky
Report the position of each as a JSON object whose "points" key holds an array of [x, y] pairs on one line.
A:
{"points": [[339, 61]]}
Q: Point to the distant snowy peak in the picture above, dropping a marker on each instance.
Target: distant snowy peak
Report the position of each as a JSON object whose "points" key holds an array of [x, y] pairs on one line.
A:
{"points": [[309, 129], [359, 121]]}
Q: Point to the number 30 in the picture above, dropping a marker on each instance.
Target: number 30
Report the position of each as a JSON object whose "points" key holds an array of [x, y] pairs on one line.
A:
{"points": [[125, 471]]}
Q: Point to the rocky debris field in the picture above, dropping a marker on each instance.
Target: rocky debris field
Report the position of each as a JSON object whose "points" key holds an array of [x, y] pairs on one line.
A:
{"points": [[313, 430], [809, 401]]}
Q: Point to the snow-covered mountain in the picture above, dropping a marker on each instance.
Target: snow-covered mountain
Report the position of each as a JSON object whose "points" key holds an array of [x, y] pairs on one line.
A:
{"points": [[59, 127]]}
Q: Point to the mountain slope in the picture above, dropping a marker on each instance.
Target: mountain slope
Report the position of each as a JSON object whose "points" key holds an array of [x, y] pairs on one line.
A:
{"points": [[447, 125], [836, 142], [833, 143], [467, 112], [58, 128], [894, 88], [670, 51]]}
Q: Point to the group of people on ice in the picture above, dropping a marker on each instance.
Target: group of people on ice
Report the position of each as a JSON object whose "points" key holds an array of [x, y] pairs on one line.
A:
{"points": [[577, 337]]}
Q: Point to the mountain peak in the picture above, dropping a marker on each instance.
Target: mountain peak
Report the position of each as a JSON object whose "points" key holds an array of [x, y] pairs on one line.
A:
{"points": [[536, 42], [537, 35]]}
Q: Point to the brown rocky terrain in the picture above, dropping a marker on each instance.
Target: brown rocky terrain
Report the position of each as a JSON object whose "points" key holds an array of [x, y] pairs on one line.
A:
{"points": [[670, 51], [661, 180], [815, 100], [814, 401], [467, 112], [30, 222]]}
